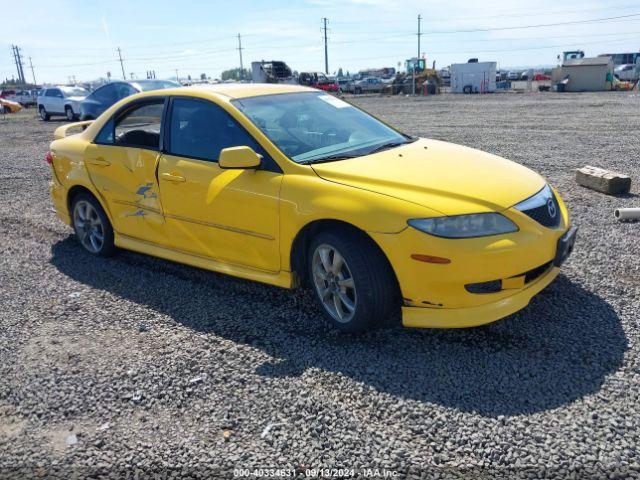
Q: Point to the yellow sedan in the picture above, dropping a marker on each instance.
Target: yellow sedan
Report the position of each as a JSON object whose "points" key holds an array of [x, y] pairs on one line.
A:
{"points": [[291, 186], [7, 106]]}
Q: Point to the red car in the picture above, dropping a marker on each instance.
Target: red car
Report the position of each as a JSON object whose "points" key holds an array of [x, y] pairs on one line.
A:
{"points": [[538, 77], [318, 80]]}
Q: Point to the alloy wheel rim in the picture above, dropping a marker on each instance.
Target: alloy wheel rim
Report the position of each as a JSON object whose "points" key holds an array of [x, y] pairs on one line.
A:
{"points": [[334, 283], [88, 226], [69, 114]]}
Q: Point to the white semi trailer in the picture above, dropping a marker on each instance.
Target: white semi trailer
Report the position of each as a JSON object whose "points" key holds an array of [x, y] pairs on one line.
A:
{"points": [[473, 77]]}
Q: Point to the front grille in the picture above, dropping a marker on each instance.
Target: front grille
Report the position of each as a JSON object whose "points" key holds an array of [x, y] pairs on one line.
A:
{"points": [[542, 214], [492, 286]]}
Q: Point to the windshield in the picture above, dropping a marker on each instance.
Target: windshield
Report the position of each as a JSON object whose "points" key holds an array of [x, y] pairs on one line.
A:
{"points": [[314, 126], [75, 91]]}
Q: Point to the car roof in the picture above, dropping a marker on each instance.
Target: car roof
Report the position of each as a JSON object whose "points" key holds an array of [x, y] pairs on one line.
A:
{"points": [[244, 90]]}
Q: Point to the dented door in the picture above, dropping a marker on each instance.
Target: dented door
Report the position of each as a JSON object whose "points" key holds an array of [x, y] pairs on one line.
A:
{"points": [[126, 179]]}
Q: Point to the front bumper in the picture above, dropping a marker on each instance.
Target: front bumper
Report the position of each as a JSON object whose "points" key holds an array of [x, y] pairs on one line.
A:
{"points": [[418, 317], [487, 278]]}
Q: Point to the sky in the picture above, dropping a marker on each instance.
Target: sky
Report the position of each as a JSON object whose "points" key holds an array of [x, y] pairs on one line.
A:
{"points": [[65, 38]]}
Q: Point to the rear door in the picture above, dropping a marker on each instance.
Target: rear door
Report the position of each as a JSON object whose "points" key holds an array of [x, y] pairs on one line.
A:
{"points": [[122, 162], [228, 215]]}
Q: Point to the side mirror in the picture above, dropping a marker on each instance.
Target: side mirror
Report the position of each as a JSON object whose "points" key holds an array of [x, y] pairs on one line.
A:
{"points": [[239, 158]]}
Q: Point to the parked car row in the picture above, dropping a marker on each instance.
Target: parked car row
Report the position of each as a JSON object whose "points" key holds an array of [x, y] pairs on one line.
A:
{"points": [[26, 98], [78, 102], [105, 96]]}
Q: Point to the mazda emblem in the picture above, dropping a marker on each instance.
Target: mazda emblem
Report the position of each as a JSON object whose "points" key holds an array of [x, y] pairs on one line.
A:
{"points": [[551, 207]]}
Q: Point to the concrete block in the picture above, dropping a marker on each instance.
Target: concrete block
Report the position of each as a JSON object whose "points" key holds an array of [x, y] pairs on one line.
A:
{"points": [[603, 180]]}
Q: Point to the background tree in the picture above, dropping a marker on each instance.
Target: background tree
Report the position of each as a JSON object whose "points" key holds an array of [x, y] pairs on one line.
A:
{"points": [[235, 74]]}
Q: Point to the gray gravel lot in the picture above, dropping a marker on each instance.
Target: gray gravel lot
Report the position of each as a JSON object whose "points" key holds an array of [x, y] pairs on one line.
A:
{"points": [[138, 363]]}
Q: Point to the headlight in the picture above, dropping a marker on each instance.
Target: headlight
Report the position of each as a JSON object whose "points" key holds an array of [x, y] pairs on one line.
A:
{"points": [[538, 200], [465, 226]]}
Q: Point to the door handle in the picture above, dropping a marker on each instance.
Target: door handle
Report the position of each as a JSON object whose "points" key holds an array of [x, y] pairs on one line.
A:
{"points": [[171, 177], [99, 161]]}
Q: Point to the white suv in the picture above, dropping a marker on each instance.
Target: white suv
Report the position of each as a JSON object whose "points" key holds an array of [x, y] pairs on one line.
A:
{"points": [[61, 101]]}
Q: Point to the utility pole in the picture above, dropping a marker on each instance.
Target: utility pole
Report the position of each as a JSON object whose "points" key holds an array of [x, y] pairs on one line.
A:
{"points": [[417, 58], [15, 59], [240, 52], [18, 60], [419, 19], [326, 54], [124, 75], [33, 73], [22, 79], [177, 78]]}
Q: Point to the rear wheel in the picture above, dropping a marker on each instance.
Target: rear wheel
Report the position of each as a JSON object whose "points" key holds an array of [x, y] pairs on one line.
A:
{"points": [[43, 113], [352, 280], [92, 226]]}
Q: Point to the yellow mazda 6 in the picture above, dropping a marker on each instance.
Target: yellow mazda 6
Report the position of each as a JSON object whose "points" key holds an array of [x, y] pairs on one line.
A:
{"points": [[291, 186]]}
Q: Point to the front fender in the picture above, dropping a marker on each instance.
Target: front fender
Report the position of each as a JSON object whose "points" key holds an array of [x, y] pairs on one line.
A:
{"points": [[308, 198]]}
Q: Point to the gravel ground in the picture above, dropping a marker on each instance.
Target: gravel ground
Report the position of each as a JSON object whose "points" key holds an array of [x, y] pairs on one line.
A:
{"points": [[134, 363]]}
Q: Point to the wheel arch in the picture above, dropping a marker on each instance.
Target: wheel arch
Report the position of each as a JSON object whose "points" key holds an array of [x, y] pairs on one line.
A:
{"points": [[302, 240], [78, 189]]}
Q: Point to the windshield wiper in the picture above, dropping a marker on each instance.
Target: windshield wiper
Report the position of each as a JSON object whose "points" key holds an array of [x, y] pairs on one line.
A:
{"points": [[328, 158], [389, 145]]}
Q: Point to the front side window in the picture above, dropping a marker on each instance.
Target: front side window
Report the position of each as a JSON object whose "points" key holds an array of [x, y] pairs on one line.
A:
{"points": [[139, 126], [200, 129], [310, 127]]}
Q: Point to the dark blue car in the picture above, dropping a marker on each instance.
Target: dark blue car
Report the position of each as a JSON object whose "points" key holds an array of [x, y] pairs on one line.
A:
{"points": [[105, 96]]}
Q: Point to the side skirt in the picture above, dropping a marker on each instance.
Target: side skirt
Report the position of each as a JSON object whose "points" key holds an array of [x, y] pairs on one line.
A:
{"points": [[282, 279]]}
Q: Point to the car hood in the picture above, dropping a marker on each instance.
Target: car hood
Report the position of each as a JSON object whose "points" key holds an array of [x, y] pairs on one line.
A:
{"points": [[76, 99], [442, 176]]}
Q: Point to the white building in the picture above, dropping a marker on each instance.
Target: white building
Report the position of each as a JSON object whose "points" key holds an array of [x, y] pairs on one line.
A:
{"points": [[473, 77]]}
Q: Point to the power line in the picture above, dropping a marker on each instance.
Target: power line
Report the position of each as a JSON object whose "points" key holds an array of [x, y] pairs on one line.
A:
{"points": [[540, 25]]}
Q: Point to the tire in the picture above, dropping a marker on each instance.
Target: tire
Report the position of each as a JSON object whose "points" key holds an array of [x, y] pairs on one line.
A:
{"points": [[358, 91], [43, 114], [68, 111], [92, 226], [5, 109], [364, 291]]}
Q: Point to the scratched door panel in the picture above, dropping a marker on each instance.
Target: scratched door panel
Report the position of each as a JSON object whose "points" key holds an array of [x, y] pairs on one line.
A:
{"points": [[126, 179]]}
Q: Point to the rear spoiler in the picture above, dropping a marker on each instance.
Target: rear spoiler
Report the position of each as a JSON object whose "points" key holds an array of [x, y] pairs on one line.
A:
{"points": [[62, 132]]}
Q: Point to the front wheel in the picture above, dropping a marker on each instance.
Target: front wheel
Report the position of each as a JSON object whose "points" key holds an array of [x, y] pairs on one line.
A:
{"points": [[92, 226], [352, 280], [43, 114], [68, 111]]}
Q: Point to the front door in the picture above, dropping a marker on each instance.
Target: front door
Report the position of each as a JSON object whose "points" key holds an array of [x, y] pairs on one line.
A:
{"points": [[227, 215], [122, 164]]}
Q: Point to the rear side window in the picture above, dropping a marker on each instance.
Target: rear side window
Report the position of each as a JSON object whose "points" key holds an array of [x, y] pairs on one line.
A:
{"points": [[200, 129], [140, 126], [53, 92]]}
